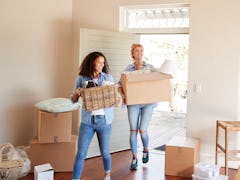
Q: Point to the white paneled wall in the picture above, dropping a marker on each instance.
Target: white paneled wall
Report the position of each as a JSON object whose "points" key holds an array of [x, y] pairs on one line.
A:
{"points": [[116, 47]]}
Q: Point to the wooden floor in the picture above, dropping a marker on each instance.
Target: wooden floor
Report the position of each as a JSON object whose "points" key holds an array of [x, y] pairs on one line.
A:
{"points": [[153, 170]]}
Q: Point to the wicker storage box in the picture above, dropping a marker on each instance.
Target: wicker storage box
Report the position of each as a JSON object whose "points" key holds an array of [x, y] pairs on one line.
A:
{"points": [[9, 169], [99, 97]]}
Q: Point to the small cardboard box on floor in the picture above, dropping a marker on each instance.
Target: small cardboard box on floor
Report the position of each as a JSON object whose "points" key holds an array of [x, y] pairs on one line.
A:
{"points": [[60, 155], [43, 172], [143, 88], [54, 127], [181, 154]]}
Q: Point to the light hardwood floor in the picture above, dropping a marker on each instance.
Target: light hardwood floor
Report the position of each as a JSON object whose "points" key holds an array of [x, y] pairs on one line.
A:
{"points": [[153, 170]]}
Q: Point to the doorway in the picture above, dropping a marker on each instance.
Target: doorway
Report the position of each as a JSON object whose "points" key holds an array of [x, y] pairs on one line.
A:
{"points": [[169, 118], [157, 49]]}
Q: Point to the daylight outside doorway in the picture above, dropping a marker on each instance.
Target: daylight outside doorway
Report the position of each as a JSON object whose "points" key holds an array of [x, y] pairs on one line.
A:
{"points": [[157, 49], [169, 118]]}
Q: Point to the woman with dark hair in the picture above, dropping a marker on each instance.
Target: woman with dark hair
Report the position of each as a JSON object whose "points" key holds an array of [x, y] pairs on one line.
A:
{"points": [[94, 68]]}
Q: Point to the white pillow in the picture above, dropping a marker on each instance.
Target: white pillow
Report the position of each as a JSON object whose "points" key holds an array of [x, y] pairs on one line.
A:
{"points": [[57, 105]]}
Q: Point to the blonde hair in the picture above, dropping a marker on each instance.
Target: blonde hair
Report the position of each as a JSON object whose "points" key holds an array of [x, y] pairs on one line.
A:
{"points": [[134, 46]]}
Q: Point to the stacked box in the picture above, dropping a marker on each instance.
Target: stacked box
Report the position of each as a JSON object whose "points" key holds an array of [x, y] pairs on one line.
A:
{"points": [[181, 154], [54, 140], [144, 88], [100, 97], [60, 155], [54, 127]]}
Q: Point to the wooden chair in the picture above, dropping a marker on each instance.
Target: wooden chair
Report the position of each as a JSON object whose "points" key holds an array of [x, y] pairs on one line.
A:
{"points": [[227, 126]]}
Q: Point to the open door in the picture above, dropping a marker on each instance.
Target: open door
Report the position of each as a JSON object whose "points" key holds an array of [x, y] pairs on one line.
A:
{"points": [[116, 47]]}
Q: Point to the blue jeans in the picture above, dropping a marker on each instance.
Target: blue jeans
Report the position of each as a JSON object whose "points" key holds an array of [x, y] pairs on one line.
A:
{"points": [[86, 133], [139, 117]]}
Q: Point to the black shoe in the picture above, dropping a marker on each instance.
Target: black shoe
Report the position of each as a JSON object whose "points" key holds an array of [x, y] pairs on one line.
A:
{"points": [[134, 164], [145, 157]]}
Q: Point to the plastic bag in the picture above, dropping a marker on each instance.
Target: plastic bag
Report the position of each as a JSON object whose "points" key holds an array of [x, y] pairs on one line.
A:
{"points": [[21, 153]]}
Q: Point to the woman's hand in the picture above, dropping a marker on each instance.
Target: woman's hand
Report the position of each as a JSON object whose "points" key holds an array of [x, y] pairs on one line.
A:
{"points": [[121, 92], [78, 91], [119, 100], [76, 95]]}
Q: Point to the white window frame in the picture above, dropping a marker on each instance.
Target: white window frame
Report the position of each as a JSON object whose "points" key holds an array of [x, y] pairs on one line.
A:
{"points": [[123, 20]]}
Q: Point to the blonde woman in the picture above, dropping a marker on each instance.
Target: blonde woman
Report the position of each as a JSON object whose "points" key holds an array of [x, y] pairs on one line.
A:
{"points": [[139, 115]]}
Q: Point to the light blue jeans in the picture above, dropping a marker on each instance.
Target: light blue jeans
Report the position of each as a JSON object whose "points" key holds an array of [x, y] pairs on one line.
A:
{"points": [[139, 117], [86, 133]]}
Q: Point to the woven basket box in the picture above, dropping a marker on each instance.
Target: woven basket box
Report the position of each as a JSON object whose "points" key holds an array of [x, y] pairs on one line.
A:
{"points": [[99, 97]]}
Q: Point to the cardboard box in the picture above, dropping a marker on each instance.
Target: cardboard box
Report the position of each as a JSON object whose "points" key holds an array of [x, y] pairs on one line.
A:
{"points": [[146, 87], [181, 154], [237, 177], [60, 155], [43, 172], [54, 127], [100, 97]]}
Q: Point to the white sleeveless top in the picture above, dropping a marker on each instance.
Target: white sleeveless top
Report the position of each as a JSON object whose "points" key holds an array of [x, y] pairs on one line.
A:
{"points": [[99, 111]]}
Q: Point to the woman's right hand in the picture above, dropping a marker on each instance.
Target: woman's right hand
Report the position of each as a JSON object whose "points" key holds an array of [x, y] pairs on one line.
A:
{"points": [[76, 95], [78, 91]]}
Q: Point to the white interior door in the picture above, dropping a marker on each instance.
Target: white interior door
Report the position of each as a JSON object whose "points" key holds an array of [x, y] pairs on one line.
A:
{"points": [[116, 47]]}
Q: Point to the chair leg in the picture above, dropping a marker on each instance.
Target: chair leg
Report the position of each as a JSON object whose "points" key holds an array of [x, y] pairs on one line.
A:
{"points": [[226, 151], [216, 150]]}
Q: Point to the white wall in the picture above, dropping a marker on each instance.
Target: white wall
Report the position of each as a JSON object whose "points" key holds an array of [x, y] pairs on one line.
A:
{"points": [[35, 62], [214, 63]]}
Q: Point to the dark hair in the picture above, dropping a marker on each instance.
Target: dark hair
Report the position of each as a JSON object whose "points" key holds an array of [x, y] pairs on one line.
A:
{"points": [[87, 66]]}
